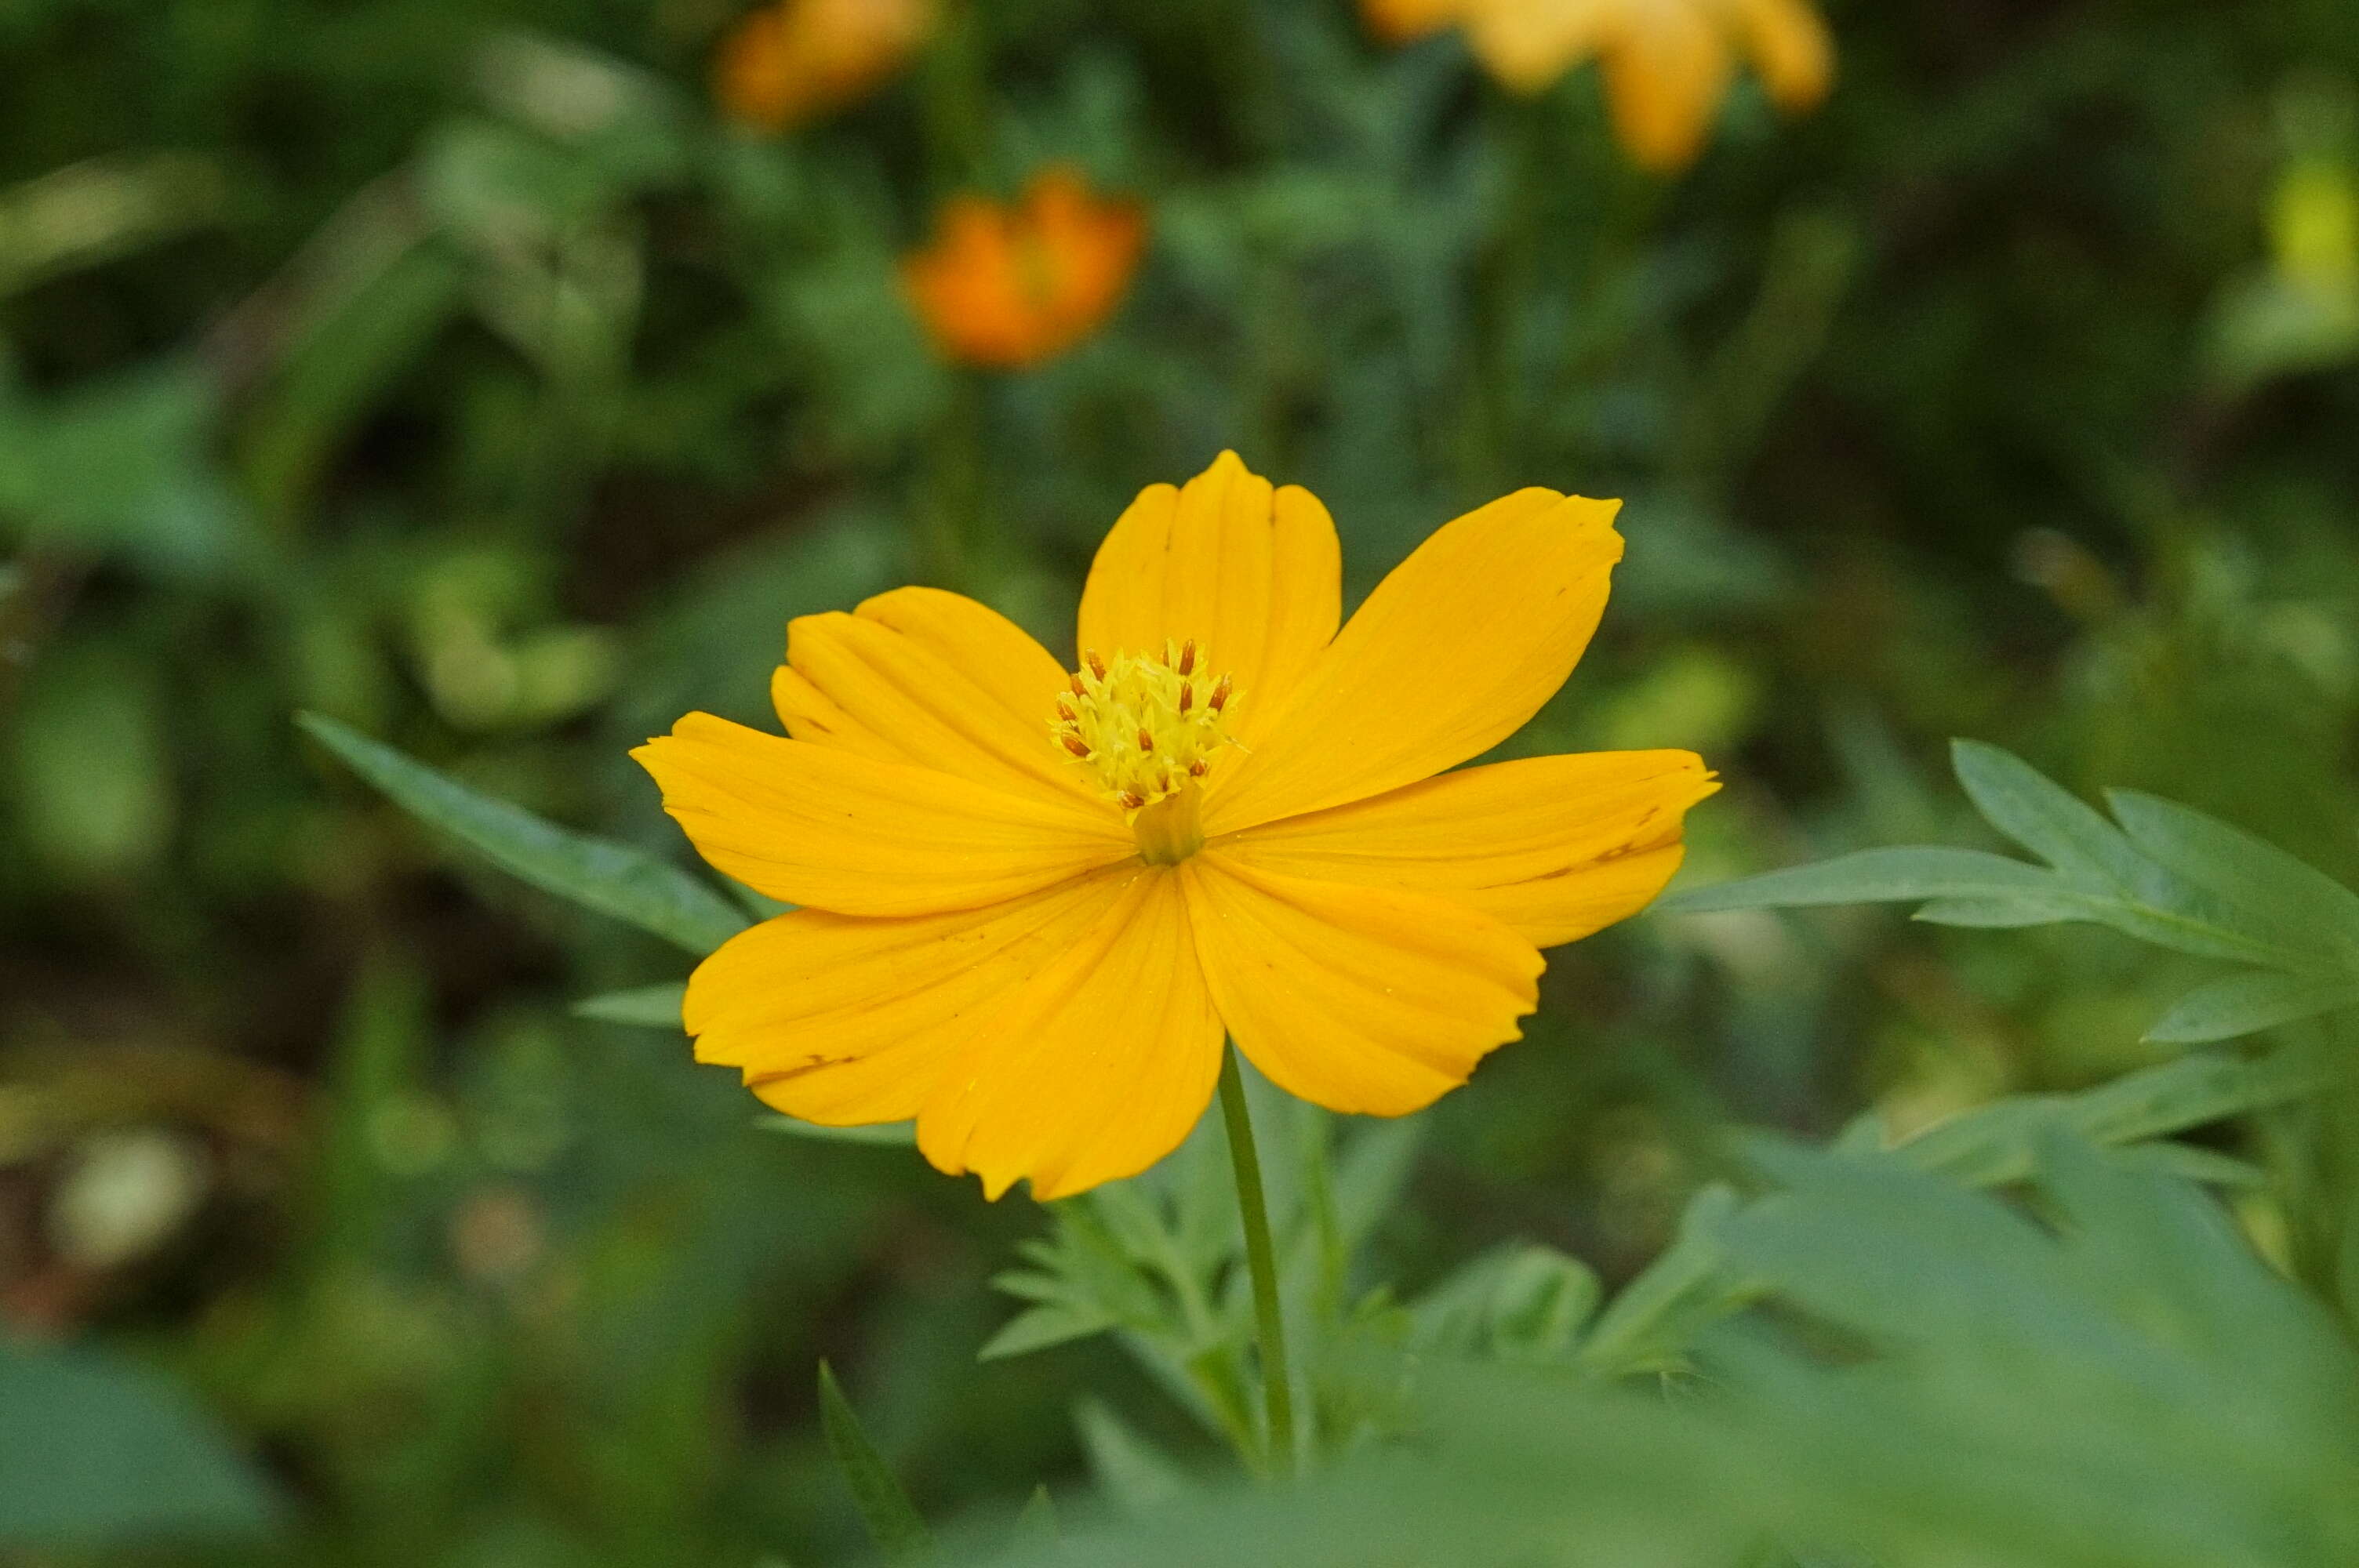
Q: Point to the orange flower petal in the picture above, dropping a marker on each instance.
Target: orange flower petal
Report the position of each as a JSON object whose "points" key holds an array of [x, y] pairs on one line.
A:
{"points": [[1014, 285], [1359, 999], [1666, 70], [1097, 1068], [932, 678], [1554, 846], [820, 826], [1449, 656], [1253, 574], [842, 1020]]}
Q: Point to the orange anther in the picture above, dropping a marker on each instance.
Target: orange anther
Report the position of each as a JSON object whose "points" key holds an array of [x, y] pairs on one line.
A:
{"points": [[1075, 744], [1188, 657], [1097, 664], [1145, 741], [1132, 800], [1221, 694], [1187, 697]]}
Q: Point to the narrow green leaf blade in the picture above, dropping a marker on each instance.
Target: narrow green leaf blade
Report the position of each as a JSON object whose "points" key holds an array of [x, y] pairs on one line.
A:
{"points": [[1875, 876], [2248, 1003], [892, 1520], [2281, 899], [1050, 1324], [1999, 1142], [887, 1134], [647, 1007], [2045, 817], [613, 879]]}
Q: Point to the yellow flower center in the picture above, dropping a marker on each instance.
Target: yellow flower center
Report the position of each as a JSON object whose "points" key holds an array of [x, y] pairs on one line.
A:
{"points": [[1149, 727]]}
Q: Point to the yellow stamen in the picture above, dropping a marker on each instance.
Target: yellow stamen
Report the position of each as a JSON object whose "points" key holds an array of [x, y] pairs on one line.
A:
{"points": [[1136, 723]]}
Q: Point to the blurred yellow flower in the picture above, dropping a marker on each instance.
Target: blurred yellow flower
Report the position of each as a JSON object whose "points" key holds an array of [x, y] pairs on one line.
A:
{"points": [[1668, 63], [792, 61], [1014, 285], [1032, 901]]}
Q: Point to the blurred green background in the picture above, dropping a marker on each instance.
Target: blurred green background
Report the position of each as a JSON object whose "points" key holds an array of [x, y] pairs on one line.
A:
{"points": [[455, 369]]}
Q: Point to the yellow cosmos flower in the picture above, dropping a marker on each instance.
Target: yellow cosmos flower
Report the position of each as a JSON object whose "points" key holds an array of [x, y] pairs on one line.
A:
{"points": [[1034, 900], [1668, 63], [792, 61]]}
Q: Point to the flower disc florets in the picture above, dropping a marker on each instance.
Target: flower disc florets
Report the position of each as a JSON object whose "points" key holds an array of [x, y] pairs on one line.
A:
{"points": [[1145, 725]]}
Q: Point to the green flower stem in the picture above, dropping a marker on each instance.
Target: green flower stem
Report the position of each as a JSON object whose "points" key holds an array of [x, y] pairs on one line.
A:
{"points": [[1261, 1260]]}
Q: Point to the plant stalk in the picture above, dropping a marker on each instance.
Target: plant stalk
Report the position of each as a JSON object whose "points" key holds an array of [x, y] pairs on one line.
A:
{"points": [[1261, 1263]]}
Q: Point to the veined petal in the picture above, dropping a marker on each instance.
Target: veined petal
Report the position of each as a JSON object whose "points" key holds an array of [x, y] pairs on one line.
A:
{"points": [[1666, 70], [1096, 1068], [817, 826], [1361, 999], [843, 1020], [1449, 656], [1791, 48], [1528, 44], [1253, 574], [1554, 846], [933, 678]]}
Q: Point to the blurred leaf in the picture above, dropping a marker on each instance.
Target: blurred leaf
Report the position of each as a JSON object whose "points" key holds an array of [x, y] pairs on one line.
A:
{"points": [[650, 1007], [1051, 1323], [613, 879], [1998, 1143], [89, 213], [123, 464], [893, 1523], [1521, 1301], [1884, 876], [1133, 1471], [1036, 1527], [2248, 1003], [97, 1454], [890, 1134]]}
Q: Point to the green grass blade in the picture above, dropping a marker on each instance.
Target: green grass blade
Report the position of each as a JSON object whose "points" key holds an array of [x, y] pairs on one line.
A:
{"points": [[597, 873], [892, 1520]]}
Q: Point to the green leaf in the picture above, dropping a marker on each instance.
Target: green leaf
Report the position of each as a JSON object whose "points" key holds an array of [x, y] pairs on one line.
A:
{"points": [[97, 1454], [1129, 1465], [1036, 1527], [1051, 1323], [893, 1522], [613, 879], [1998, 1143], [2046, 818], [1523, 1302], [2168, 876], [1877, 876], [889, 1134], [649, 1007], [2248, 1003], [2295, 905]]}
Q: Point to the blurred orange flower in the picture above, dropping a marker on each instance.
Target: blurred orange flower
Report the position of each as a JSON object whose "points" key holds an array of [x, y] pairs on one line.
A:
{"points": [[793, 61], [1014, 285], [1667, 62]]}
